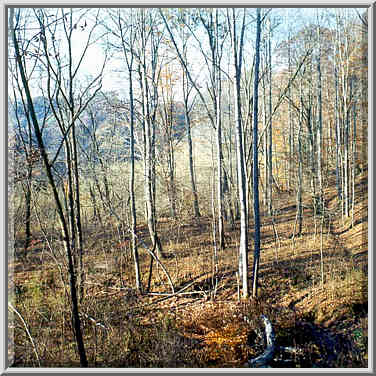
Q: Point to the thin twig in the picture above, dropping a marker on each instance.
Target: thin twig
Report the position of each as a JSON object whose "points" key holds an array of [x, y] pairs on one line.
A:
{"points": [[27, 331], [177, 292]]}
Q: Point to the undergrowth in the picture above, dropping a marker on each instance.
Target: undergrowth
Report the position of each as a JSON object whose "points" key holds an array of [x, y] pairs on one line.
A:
{"points": [[323, 316]]}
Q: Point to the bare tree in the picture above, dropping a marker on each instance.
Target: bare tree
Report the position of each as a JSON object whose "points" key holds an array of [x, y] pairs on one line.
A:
{"points": [[73, 288], [237, 43], [256, 257], [149, 73], [66, 104], [128, 38], [216, 35]]}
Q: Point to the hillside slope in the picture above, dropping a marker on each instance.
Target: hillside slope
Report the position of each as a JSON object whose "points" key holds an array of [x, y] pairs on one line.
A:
{"points": [[324, 322]]}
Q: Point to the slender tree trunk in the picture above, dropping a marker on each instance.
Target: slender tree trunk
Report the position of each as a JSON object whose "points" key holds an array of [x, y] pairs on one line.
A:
{"points": [[346, 161], [270, 130], [241, 165], [338, 139], [28, 234], [291, 134], [218, 107], [129, 61], [231, 194], [220, 198], [186, 92], [73, 288], [354, 157], [346, 97], [149, 107], [300, 169], [190, 156], [256, 260], [78, 224], [319, 128], [171, 177], [266, 155], [70, 201]]}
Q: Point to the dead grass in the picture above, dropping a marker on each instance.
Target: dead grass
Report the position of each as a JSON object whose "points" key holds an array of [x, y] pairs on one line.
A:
{"points": [[209, 327]]}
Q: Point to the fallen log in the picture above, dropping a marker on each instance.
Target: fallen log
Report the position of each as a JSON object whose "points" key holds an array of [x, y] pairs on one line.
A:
{"points": [[266, 357]]}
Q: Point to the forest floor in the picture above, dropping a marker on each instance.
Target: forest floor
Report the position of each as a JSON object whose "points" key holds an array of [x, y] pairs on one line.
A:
{"points": [[313, 289]]}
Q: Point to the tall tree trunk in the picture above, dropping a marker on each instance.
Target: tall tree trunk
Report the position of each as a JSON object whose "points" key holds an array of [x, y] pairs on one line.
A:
{"points": [[73, 287], [129, 60], [266, 156], [231, 194], [241, 166], [346, 159], [149, 108], [190, 157], [300, 167], [256, 259], [319, 128], [354, 157], [220, 198], [172, 187], [78, 224], [338, 139], [270, 129], [291, 129], [218, 108], [186, 93]]}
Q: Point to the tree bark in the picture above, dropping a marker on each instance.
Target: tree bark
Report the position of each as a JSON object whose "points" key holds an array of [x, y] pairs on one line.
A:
{"points": [[270, 129], [129, 58], [196, 208], [218, 109], [237, 50], [149, 108], [319, 127], [256, 210]]}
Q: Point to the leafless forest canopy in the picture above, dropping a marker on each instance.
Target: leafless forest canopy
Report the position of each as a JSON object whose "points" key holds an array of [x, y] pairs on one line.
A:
{"points": [[188, 187]]}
